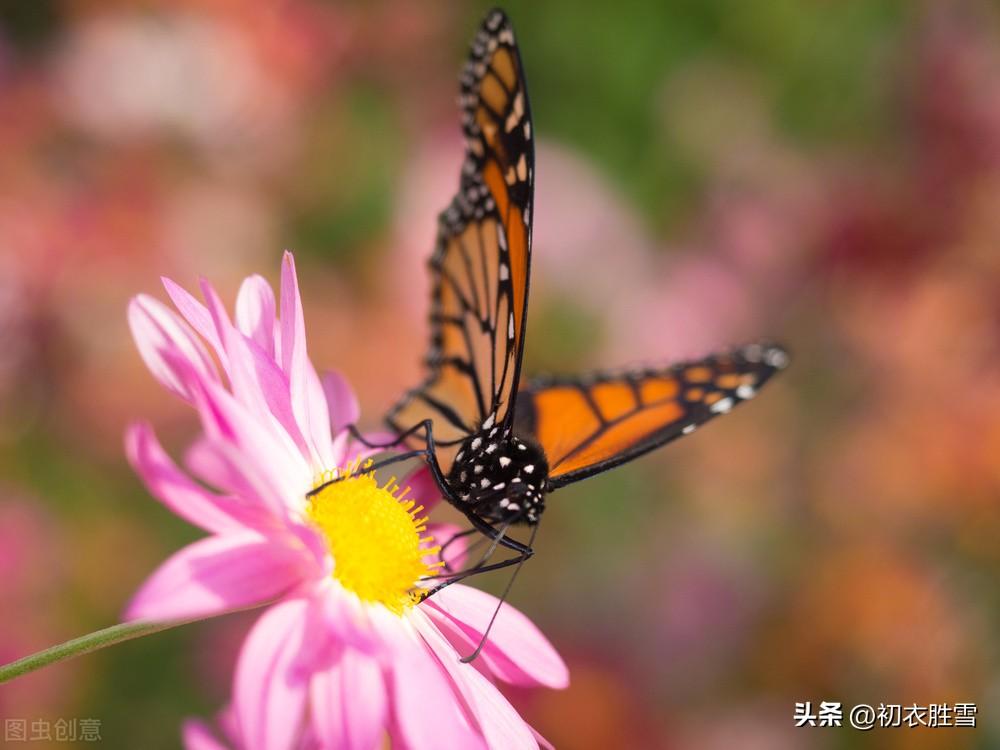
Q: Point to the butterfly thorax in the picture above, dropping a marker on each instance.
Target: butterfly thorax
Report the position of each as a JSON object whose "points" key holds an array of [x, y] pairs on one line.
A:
{"points": [[500, 477]]}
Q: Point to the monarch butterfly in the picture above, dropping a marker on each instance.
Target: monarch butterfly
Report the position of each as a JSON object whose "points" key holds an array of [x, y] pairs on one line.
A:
{"points": [[496, 446]]}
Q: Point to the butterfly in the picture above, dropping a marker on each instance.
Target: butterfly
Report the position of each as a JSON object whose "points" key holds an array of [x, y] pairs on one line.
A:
{"points": [[498, 446]]}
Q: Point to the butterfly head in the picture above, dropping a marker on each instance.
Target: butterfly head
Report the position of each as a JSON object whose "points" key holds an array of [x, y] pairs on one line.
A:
{"points": [[501, 477]]}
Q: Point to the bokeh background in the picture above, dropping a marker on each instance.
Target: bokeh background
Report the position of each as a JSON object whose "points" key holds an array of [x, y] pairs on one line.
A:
{"points": [[709, 171]]}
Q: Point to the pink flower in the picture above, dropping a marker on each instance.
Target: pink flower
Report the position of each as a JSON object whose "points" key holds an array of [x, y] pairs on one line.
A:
{"points": [[343, 654]]}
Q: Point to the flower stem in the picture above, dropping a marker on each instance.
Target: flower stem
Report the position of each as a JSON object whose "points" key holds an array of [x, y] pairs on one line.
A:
{"points": [[82, 645], [99, 639]]}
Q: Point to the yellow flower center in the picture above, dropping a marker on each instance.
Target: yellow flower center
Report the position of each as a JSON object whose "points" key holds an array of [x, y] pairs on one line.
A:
{"points": [[375, 538]]}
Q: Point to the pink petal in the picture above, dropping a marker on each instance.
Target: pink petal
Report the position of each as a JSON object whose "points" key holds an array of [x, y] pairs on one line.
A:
{"points": [[341, 449], [542, 742], [308, 400], [309, 741], [427, 711], [349, 703], [226, 719], [347, 618], [156, 329], [516, 651], [196, 735], [218, 574], [292, 320], [270, 688], [257, 381], [195, 313], [223, 466], [319, 416], [274, 385], [340, 400], [189, 500], [501, 725], [241, 372], [263, 453], [255, 312]]}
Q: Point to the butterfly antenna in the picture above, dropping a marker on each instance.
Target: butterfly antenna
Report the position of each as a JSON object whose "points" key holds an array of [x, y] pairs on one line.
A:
{"points": [[510, 584]]}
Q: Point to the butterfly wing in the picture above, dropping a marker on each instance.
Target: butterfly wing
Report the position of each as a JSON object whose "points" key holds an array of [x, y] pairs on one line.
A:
{"points": [[480, 267], [586, 426]]}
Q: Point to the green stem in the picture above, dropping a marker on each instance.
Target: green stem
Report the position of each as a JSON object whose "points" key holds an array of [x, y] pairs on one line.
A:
{"points": [[102, 639], [83, 645]]}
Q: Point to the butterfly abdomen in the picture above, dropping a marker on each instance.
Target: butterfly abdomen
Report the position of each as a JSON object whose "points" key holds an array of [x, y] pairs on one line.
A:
{"points": [[501, 477]]}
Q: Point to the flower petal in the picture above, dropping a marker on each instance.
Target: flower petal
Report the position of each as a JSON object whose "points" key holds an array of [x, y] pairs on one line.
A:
{"points": [[156, 329], [340, 400], [217, 464], [186, 498], [319, 416], [261, 450], [308, 399], [515, 652], [257, 381], [349, 703], [223, 466], [418, 680], [347, 618], [196, 735], [255, 312], [542, 742], [219, 574], [241, 372], [195, 313], [501, 725], [270, 688]]}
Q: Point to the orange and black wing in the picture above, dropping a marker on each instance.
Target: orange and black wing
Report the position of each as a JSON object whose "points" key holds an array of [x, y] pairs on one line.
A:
{"points": [[588, 425], [480, 266]]}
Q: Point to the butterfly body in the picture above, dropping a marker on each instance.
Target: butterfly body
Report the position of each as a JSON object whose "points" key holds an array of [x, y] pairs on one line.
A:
{"points": [[500, 477]]}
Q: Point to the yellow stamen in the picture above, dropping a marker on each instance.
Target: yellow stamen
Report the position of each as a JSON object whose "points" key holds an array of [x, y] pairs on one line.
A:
{"points": [[374, 537]]}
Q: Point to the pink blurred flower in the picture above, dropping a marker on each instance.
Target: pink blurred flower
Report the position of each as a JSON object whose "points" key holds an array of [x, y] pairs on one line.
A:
{"points": [[684, 307], [129, 76], [344, 653]]}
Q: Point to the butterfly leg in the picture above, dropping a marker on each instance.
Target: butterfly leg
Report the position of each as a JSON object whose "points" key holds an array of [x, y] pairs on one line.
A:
{"points": [[438, 473], [426, 453], [370, 467], [428, 426], [503, 597], [498, 537], [356, 434], [518, 561], [462, 575]]}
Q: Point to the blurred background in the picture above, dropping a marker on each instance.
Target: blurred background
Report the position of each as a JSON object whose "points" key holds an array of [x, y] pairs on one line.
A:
{"points": [[709, 172]]}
